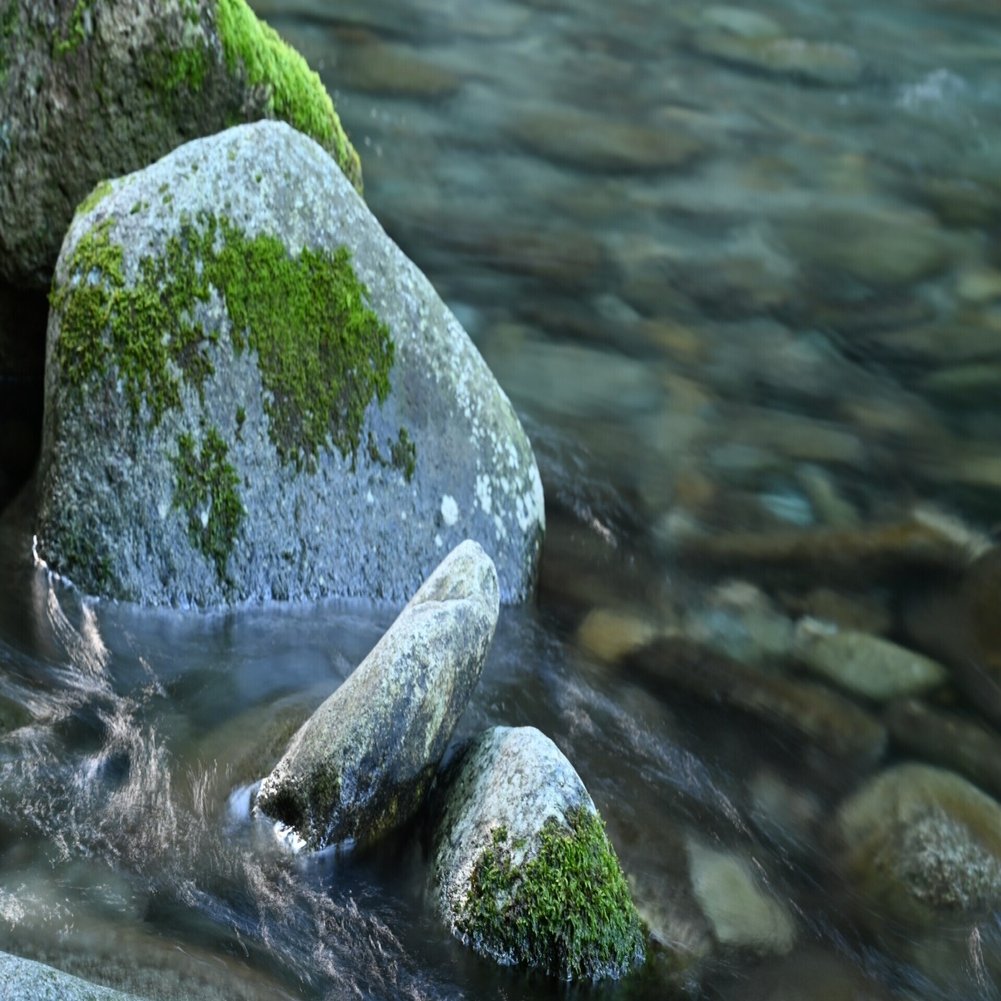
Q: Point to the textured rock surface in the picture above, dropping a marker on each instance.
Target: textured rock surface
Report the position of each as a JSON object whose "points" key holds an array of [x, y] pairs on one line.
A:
{"points": [[90, 91], [921, 845], [251, 394], [24, 980], [364, 760], [523, 868]]}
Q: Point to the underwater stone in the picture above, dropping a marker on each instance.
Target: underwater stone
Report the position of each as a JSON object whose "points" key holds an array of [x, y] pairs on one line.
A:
{"points": [[251, 394], [362, 763], [524, 871], [921, 845], [95, 90]]}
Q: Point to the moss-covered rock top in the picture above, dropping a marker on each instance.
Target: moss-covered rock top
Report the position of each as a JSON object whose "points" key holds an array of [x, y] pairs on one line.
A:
{"points": [[565, 910], [94, 90], [525, 871]]}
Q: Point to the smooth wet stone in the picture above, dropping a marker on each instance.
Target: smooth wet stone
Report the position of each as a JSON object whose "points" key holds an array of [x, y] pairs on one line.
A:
{"points": [[865, 665], [743, 914], [937, 344], [572, 381], [25, 980], [956, 742], [523, 869], [975, 385], [393, 70], [827, 64], [608, 634], [252, 394], [871, 552], [922, 846], [97, 90], [807, 711], [603, 145], [738, 619], [876, 247], [362, 763], [741, 22]]}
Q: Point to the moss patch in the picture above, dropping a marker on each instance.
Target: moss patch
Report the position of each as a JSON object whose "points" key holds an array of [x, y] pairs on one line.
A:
{"points": [[101, 191], [74, 34], [322, 353], [208, 492], [296, 93], [567, 910]]}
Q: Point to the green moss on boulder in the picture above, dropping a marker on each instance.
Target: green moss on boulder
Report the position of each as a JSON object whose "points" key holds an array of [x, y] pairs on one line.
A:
{"points": [[567, 910], [295, 92]]}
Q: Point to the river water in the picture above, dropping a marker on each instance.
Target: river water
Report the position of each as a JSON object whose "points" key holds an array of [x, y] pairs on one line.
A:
{"points": [[738, 271]]}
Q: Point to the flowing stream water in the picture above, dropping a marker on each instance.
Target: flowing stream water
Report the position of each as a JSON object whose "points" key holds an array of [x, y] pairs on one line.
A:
{"points": [[738, 270]]}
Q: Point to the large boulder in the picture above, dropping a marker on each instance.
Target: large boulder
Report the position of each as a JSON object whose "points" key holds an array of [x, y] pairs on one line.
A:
{"points": [[252, 394], [26, 980], [94, 90], [524, 870], [363, 762]]}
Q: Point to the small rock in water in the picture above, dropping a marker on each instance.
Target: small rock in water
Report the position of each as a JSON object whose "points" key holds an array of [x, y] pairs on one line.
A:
{"points": [[922, 846], [742, 913], [865, 665], [608, 634], [592, 143], [362, 763], [524, 870]]}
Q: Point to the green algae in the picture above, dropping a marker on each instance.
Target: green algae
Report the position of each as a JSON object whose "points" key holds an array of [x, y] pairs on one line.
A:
{"points": [[322, 353], [101, 191], [296, 93], [208, 492], [75, 34], [567, 910]]}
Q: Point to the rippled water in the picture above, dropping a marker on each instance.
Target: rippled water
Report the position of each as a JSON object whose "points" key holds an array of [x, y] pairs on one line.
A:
{"points": [[731, 285]]}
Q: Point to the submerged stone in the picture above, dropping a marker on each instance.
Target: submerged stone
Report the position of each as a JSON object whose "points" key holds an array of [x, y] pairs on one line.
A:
{"points": [[94, 90], [865, 665], [922, 846], [362, 763], [252, 394], [524, 870]]}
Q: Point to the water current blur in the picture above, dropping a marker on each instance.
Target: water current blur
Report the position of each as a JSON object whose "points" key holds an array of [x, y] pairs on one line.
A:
{"points": [[738, 270]]}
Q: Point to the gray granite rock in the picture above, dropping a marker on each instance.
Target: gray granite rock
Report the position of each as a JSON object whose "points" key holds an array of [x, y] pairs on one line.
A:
{"points": [[523, 869], [25, 980], [252, 394], [362, 763], [91, 91]]}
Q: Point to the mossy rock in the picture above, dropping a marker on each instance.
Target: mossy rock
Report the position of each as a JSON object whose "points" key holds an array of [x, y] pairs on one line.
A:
{"points": [[524, 871], [94, 90], [362, 764], [252, 394]]}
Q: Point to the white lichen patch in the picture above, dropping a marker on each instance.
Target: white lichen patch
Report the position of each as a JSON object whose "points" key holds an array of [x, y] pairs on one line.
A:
{"points": [[449, 510]]}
